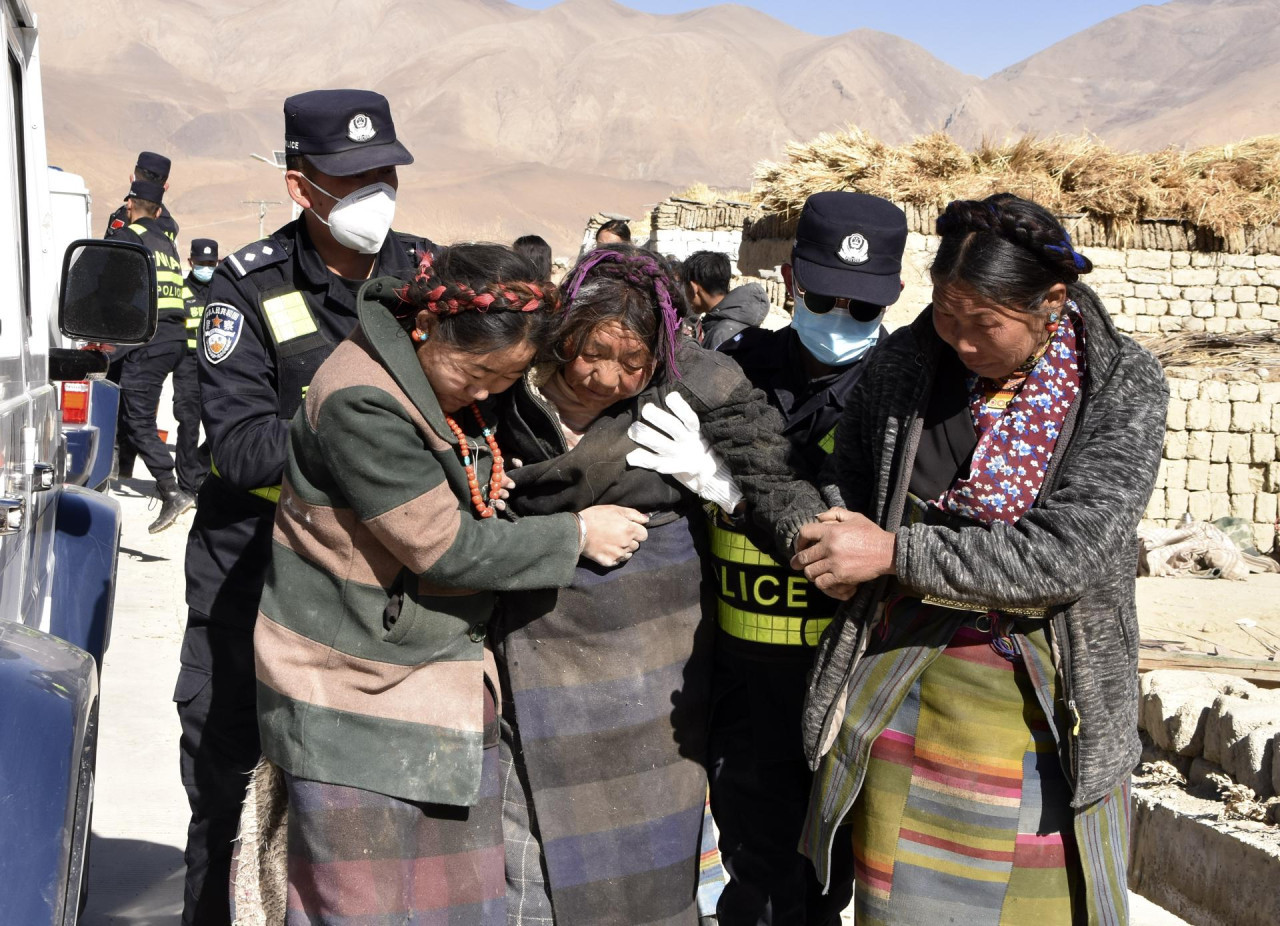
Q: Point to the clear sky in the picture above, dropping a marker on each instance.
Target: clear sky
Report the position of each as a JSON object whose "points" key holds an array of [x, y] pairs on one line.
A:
{"points": [[979, 37]]}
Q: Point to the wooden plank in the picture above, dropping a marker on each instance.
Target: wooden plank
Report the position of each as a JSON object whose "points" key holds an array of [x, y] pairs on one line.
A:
{"points": [[1264, 672]]}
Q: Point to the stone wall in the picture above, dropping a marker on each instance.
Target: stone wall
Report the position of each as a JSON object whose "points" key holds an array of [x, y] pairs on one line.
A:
{"points": [[679, 227], [1221, 451], [1150, 291]]}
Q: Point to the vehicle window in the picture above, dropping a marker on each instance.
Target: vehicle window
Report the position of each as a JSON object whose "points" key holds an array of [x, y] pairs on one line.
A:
{"points": [[17, 179]]}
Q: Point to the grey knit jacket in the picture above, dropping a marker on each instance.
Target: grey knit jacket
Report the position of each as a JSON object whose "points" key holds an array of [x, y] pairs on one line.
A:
{"points": [[1074, 551]]}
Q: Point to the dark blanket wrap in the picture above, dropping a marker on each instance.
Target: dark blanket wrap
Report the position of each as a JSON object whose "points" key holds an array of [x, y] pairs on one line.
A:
{"points": [[610, 677], [610, 683]]}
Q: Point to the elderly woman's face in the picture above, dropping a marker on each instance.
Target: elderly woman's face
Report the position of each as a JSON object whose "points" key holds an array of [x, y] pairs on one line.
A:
{"points": [[614, 364], [990, 339]]}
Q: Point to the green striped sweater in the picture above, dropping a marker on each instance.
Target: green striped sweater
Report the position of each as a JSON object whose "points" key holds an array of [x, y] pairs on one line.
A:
{"points": [[375, 515]]}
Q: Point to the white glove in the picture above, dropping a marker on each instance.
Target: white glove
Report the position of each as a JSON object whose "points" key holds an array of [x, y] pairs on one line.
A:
{"points": [[671, 442]]}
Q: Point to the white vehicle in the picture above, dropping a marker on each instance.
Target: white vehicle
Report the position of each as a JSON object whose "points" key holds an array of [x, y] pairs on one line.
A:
{"points": [[58, 542]]}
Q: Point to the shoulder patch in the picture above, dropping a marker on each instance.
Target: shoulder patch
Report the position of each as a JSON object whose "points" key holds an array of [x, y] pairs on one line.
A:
{"points": [[257, 255], [220, 330]]}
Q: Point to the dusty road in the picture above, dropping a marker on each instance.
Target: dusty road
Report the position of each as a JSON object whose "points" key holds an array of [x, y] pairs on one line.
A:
{"points": [[140, 815]]}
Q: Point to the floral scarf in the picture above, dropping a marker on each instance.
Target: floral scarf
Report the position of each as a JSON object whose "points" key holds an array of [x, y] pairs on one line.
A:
{"points": [[1018, 420]]}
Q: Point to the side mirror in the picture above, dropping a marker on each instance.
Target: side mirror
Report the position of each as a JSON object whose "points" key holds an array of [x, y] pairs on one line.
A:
{"points": [[108, 292]]}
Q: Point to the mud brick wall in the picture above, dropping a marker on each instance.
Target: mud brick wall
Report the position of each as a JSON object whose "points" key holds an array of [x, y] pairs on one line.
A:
{"points": [[678, 228], [1221, 452], [1149, 291]]}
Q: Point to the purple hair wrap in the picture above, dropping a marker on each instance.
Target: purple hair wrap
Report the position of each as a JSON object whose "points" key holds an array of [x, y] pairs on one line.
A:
{"points": [[651, 269]]}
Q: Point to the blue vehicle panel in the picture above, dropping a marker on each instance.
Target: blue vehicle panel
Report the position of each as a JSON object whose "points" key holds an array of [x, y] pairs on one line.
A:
{"points": [[49, 690], [86, 545]]}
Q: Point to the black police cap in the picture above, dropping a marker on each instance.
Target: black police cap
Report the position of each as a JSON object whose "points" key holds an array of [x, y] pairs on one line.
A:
{"points": [[850, 245], [157, 164], [204, 249], [342, 132], [148, 190]]}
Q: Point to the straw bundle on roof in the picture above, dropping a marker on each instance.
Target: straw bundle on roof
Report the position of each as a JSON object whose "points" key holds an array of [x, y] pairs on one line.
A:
{"points": [[1244, 350], [1219, 188]]}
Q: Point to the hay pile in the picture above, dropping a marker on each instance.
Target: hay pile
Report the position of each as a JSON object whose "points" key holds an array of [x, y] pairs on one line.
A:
{"points": [[701, 193], [1233, 352], [1221, 188]]}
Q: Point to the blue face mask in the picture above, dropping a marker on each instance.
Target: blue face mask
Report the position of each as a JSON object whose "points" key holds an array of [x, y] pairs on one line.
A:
{"points": [[835, 337], [203, 274]]}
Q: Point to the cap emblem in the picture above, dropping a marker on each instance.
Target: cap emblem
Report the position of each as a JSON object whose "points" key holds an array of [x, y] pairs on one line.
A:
{"points": [[207, 250], [360, 128], [853, 249]]}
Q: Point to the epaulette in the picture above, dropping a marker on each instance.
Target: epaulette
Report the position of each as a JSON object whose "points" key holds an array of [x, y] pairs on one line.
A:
{"points": [[413, 245], [255, 256]]}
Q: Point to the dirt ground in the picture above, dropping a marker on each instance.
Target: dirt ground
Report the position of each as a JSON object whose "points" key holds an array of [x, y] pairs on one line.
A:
{"points": [[1201, 615]]}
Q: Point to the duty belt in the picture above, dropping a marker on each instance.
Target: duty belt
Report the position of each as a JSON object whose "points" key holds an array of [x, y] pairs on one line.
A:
{"points": [[270, 493]]}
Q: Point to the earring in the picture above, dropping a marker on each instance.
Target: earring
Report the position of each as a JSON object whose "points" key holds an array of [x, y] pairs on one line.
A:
{"points": [[1052, 327], [419, 335]]}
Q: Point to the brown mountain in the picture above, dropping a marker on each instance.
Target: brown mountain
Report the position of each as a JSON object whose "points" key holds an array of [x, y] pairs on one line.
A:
{"points": [[529, 121], [521, 121], [1189, 72]]}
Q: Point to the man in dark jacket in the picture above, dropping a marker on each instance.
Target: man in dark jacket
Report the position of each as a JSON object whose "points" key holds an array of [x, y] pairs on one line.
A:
{"points": [[722, 313], [277, 308], [845, 270]]}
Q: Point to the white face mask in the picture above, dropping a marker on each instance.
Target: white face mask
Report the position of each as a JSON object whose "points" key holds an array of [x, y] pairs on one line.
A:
{"points": [[203, 274], [361, 219], [835, 337]]}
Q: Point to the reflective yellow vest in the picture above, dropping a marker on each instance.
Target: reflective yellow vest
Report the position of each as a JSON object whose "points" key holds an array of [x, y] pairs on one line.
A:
{"points": [[169, 281], [195, 312], [759, 599]]}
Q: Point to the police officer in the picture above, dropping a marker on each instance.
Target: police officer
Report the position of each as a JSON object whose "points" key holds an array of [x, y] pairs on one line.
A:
{"points": [[144, 369], [153, 168], [192, 457], [277, 308], [845, 270]]}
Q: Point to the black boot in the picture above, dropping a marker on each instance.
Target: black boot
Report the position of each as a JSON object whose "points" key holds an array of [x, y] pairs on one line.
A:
{"points": [[174, 502]]}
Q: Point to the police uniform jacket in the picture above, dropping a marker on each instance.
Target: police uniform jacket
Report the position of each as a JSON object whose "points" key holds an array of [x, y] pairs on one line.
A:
{"points": [[194, 297], [171, 313], [275, 313], [766, 610], [811, 409], [120, 220]]}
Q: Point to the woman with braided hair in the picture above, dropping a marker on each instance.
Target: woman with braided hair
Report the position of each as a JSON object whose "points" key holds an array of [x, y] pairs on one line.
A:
{"points": [[606, 681], [376, 687], [973, 708]]}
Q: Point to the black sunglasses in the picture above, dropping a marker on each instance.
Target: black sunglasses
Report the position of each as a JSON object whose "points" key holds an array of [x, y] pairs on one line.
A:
{"points": [[819, 304]]}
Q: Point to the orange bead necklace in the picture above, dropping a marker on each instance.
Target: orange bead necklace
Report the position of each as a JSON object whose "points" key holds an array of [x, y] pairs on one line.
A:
{"points": [[485, 508]]}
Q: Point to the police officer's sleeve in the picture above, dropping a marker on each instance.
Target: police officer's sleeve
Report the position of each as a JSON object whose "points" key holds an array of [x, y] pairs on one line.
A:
{"points": [[116, 223], [240, 410]]}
